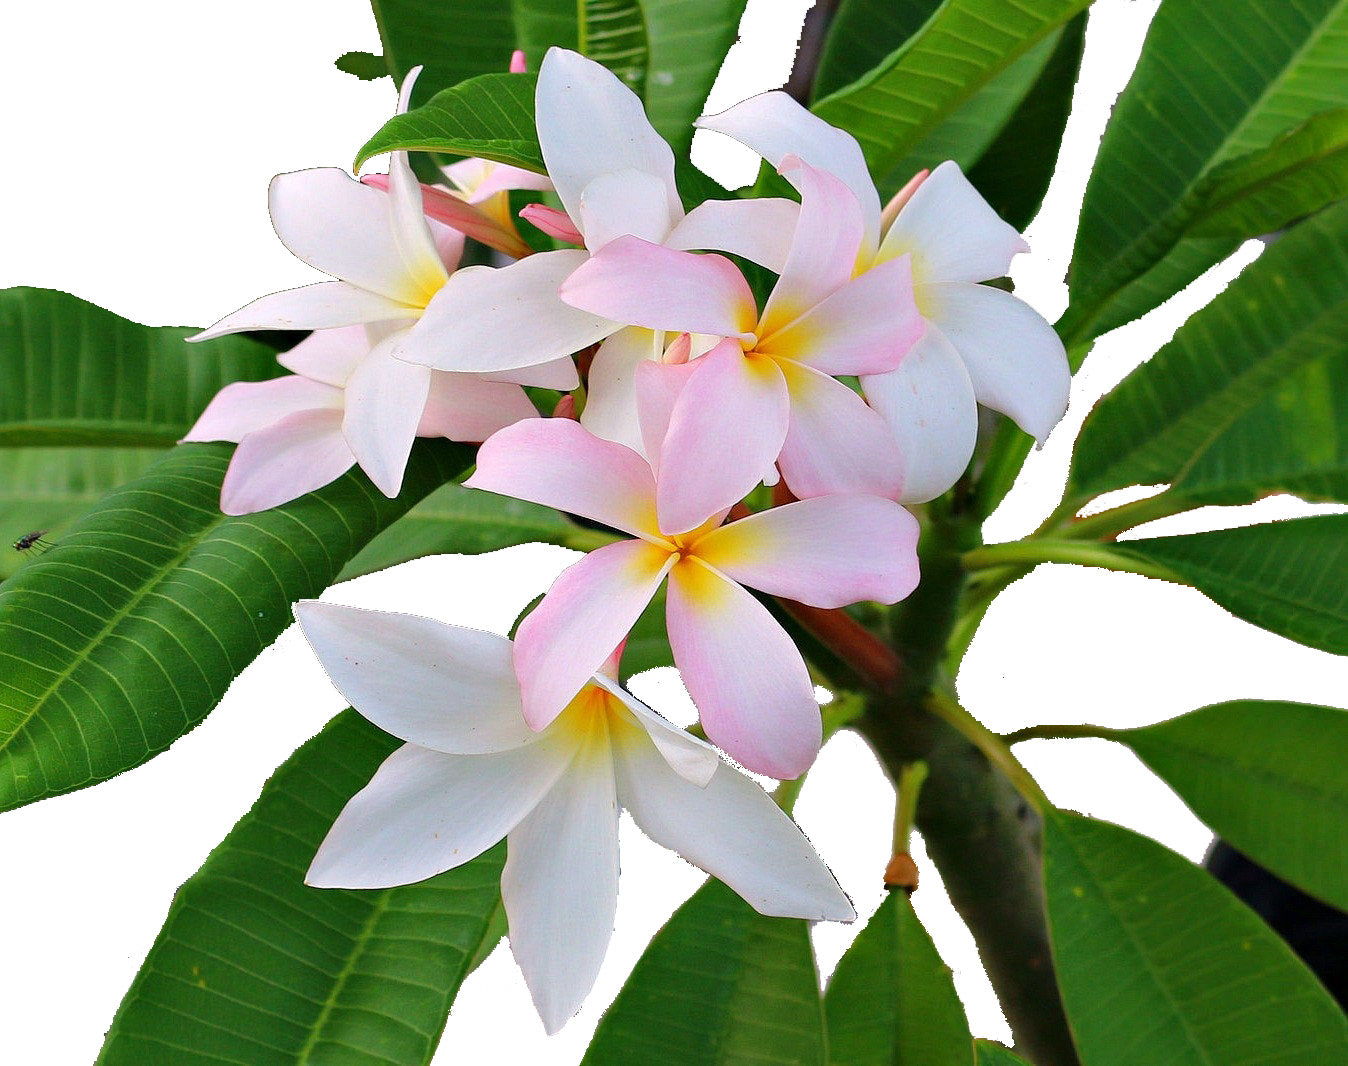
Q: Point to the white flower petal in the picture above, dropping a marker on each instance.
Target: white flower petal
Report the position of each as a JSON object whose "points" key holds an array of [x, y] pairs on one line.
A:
{"points": [[560, 886], [284, 461], [244, 407], [691, 758], [611, 398], [385, 399], [435, 685], [622, 203], [326, 305], [734, 831], [758, 229], [329, 355], [425, 812]]}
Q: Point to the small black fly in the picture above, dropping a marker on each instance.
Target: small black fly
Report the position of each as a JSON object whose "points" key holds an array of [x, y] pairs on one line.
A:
{"points": [[32, 542]]}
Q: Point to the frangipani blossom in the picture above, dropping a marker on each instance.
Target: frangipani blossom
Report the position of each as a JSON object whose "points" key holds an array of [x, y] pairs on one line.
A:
{"points": [[614, 176], [471, 772], [982, 345], [299, 432], [746, 677], [772, 379]]}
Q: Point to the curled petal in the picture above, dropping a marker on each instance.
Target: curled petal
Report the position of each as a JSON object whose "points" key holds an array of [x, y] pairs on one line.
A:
{"points": [[747, 679], [658, 387], [463, 216], [611, 398], [829, 551], [587, 613], [1015, 360], [557, 463], [951, 232], [929, 406], [692, 758], [284, 461], [553, 222], [327, 305], [435, 685]]}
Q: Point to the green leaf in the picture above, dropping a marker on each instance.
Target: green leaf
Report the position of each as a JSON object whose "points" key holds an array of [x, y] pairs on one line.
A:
{"points": [[1286, 577], [253, 966], [362, 65], [1214, 82], [891, 1001], [463, 521], [719, 984], [126, 634], [687, 44], [48, 488], [862, 35], [990, 1054], [73, 373], [1159, 963], [615, 35], [1268, 778], [912, 102], [541, 24], [1013, 174], [490, 116], [1301, 172], [452, 39], [1247, 398]]}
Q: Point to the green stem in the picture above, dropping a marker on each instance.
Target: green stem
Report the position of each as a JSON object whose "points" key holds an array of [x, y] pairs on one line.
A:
{"points": [[993, 747], [1031, 552], [1110, 523], [906, 793], [1062, 732]]}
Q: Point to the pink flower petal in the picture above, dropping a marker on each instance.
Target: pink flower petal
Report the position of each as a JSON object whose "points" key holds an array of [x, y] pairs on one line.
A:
{"points": [[775, 126], [865, 327], [824, 246], [247, 406], [384, 402], [644, 284], [1014, 358], [658, 387], [556, 462], [611, 398], [467, 407], [725, 431], [929, 406], [748, 680], [829, 551], [951, 232], [553, 222], [590, 608], [835, 443], [283, 461], [758, 229], [487, 320], [590, 124], [560, 887], [329, 355], [559, 374]]}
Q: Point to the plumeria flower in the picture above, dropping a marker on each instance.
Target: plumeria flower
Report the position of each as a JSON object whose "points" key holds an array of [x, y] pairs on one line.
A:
{"points": [[982, 345], [296, 434], [614, 176], [471, 772], [771, 382], [392, 263], [746, 677]]}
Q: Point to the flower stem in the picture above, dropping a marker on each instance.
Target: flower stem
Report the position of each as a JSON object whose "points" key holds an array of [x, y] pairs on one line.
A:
{"points": [[1110, 523], [1102, 556], [1061, 732]]}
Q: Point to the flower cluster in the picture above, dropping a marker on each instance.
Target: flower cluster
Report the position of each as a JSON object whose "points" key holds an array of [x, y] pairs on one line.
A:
{"points": [[852, 386]]}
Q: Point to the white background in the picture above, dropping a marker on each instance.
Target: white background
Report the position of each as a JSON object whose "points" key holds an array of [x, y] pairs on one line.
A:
{"points": [[139, 140]]}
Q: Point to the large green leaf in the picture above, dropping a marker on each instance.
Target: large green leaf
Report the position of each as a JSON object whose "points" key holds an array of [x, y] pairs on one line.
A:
{"points": [[452, 39], [73, 373], [463, 521], [990, 1054], [614, 34], [1247, 399], [1297, 175], [541, 24], [252, 966], [891, 1001], [1289, 577], [1267, 777], [1014, 173], [490, 116], [719, 985], [687, 45], [862, 35], [1215, 81], [48, 488], [911, 103], [126, 634], [1158, 963]]}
